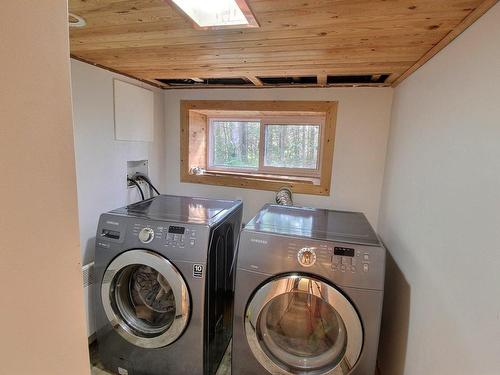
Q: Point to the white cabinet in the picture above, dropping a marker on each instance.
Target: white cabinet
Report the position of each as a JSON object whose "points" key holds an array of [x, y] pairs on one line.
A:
{"points": [[134, 112]]}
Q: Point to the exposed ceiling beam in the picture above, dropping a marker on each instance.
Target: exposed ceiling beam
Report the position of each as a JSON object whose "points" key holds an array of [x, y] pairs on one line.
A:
{"points": [[322, 79], [256, 81]]}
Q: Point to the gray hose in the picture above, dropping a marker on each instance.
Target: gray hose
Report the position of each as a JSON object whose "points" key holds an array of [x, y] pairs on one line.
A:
{"points": [[284, 197]]}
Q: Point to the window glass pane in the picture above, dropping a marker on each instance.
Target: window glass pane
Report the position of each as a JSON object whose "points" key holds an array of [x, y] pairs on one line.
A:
{"points": [[292, 146], [235, 144]]}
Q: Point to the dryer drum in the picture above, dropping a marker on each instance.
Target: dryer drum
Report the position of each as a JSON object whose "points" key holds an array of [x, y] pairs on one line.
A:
{"points": [[295, 326], [300, 324]]}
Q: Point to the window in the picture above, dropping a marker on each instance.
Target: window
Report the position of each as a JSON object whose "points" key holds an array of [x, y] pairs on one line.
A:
{"points": [[259, 145], [217, 14], [281, 145]]}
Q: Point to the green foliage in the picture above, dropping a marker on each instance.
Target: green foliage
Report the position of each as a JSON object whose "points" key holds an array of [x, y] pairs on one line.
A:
{"points": [[292, 146], [236, 145]]}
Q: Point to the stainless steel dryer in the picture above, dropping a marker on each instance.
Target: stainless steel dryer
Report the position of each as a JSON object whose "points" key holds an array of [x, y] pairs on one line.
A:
{"points": [[165, 286], [309, 291]]}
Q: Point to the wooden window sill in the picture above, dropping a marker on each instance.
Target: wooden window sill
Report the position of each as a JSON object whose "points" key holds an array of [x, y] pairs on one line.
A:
{"points": [[301, 185], [263, 176]]}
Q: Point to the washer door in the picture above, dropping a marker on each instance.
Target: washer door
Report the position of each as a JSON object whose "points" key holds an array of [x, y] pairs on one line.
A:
{"points": [[298, 324], [145, 299]]}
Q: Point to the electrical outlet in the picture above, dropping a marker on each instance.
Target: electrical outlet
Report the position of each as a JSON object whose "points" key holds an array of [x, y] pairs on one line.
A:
{"points": [[136, 166]]}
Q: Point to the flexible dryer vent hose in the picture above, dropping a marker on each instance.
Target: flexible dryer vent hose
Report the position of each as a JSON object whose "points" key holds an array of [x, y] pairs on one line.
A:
{"points": [[284, 197]]}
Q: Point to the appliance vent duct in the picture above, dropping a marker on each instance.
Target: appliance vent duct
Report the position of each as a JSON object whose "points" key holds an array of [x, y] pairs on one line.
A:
{"points": [[284, 197], [207, 81], [88, 275]]}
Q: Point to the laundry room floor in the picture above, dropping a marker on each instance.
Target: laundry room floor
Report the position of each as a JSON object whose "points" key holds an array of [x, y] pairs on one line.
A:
{"points": [[224, 369]]}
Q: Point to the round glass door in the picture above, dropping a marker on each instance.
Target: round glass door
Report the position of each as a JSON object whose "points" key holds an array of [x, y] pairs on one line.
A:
{"points": [[145, 299], [301, 325]]}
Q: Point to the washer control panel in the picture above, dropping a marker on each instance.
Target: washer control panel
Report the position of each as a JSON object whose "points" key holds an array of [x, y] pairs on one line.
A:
{"points": [[175, 236], [178, 236], [146, 235], [306, 256]]}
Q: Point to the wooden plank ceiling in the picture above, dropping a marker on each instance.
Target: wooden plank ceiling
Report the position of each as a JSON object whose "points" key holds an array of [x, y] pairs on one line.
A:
{"points": [[150, 40]]}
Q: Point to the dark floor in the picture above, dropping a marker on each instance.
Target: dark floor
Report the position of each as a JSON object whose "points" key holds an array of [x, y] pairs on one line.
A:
{"points": [[224, 369]]}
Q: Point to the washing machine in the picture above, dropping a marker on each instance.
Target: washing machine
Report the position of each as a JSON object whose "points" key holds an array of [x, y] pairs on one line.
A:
{"points": [[309, 291], [165, 286]]}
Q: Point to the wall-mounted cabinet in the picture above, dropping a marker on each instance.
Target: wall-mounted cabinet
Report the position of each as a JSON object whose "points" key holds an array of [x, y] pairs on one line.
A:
{"points": [[134, 112]]}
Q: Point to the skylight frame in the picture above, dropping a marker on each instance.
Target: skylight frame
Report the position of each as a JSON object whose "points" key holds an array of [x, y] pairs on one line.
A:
{"points": [[242, 4]]}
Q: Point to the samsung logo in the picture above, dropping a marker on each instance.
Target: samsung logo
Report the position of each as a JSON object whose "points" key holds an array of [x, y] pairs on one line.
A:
{"points": [[263, 242], [112, 223]]}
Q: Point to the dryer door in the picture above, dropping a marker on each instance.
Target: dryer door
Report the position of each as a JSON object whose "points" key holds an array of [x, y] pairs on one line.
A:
{"points": [[145, 299], [298, 324]]}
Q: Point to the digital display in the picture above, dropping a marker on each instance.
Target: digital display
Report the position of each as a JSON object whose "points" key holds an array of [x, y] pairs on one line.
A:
{"points": [[343, 251], [110, 234], [176, 230]]}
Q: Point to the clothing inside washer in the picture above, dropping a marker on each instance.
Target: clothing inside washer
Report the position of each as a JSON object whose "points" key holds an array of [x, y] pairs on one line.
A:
{"points": [[151, 296], [145, 300]]}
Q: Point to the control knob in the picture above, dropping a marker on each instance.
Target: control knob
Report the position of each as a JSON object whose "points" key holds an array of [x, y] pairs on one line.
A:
{"points": [[146, 235], [306, 256]]}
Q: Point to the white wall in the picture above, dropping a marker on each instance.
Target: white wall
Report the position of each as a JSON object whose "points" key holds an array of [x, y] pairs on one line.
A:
{"points": [[101, 162], [360, 146], [42, 322], [440, 213]]}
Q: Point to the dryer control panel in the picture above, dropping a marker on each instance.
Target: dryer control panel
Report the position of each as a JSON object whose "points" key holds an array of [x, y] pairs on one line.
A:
{"points": [[347, 259], [341, 259], [347, 264]]}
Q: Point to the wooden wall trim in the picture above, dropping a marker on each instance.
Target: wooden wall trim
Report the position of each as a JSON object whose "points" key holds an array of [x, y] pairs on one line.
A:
{"points": [[153, 83], [459, 29]]}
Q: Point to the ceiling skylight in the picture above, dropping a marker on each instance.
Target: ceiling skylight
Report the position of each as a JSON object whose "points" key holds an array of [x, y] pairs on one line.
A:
{"points": [[218, 13]]}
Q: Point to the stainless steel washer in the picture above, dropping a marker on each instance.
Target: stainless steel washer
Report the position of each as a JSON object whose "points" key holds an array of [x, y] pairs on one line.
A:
{"points": [[309, 292], [164, 298]]}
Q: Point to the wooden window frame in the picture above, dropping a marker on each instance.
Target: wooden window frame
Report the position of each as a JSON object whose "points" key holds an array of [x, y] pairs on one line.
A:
{"points": [[265, 179]]}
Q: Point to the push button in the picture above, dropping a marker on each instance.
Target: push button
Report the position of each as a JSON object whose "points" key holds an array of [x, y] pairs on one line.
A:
{"points": [[365, 267]]}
